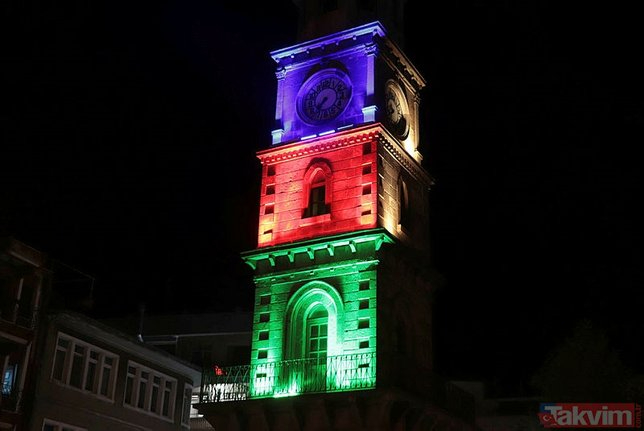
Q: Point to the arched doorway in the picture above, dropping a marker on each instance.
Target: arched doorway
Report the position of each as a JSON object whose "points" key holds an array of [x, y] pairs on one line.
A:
{"points": [[313, 334]]}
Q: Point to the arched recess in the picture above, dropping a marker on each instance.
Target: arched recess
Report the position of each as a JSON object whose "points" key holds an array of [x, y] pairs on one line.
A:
{"points": [[315, 300], [317, 188], [404, 210], [404, 329], [412, 332]]}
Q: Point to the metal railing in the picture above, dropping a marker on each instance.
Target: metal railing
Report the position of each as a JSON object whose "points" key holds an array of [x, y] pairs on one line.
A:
{"points": [[13, 312], [289, 377]]}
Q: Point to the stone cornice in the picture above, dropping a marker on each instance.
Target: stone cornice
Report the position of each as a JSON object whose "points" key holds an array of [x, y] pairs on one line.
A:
{"points": [[328, 245], [362, 134], [367, 133], [399, 61], [391, 144], [320, 144], [340, 41]]}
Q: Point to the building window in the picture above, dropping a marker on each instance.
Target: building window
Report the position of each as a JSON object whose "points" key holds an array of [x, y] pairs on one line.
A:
{"points": [[317, 334], [317, 189], [316, 348], [9, 378], [194, 413], [49, 425], [85, 367], [317, 196], [187, 405], [150, 391]]}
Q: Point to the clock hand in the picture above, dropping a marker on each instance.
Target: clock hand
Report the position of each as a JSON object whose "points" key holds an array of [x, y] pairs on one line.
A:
{"points": [[319, 105]]}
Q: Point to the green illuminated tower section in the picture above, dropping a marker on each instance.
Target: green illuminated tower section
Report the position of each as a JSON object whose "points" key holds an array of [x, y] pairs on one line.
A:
{"points": [[343, 289]]}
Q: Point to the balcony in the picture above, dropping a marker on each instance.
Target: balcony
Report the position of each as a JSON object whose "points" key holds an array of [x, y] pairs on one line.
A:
{"points": [[12, 311], [288, 378], [339, 374]]}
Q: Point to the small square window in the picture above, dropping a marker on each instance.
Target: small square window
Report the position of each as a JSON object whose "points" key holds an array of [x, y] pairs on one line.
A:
{"points": [[264, 299], [270, 189], [270, 171], [263, 335], [363, 323], [264, 317], [366, 189], [366, 148], [268, 209], [365, 212], [364, 285], [366, 169], [262, 354], [364, 304], [364, 344]]}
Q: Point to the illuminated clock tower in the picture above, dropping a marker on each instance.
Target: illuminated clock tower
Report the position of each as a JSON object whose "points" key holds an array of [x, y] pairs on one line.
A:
{"points": [[343, 304]]}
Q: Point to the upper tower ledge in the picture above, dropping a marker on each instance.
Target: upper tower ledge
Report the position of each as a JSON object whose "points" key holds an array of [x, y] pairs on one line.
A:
{"points": [[372, 35]]}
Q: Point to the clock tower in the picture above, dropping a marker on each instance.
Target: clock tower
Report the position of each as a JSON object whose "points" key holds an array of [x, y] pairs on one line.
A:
{"points": [[351, 98], [342, 329]]}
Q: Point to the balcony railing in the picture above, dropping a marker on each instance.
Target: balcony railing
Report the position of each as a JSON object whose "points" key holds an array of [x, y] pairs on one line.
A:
{"points": [[12, 312], [290, 377]]}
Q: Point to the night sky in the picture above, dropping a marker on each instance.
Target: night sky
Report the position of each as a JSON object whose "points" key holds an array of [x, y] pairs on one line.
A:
{"points": [[119, 120]]}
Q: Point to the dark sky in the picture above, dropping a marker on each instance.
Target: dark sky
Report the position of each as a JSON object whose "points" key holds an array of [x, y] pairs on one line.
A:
{"points": [[118, 120]]}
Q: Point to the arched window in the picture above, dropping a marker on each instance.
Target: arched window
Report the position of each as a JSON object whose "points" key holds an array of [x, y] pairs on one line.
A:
{"points": [[403, 204], [317, 193], [317, 189], [314, 333], [314, 322]]}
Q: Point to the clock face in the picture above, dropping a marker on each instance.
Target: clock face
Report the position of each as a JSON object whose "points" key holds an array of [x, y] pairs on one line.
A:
{"points": [[324, 96], [396, 111]]}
